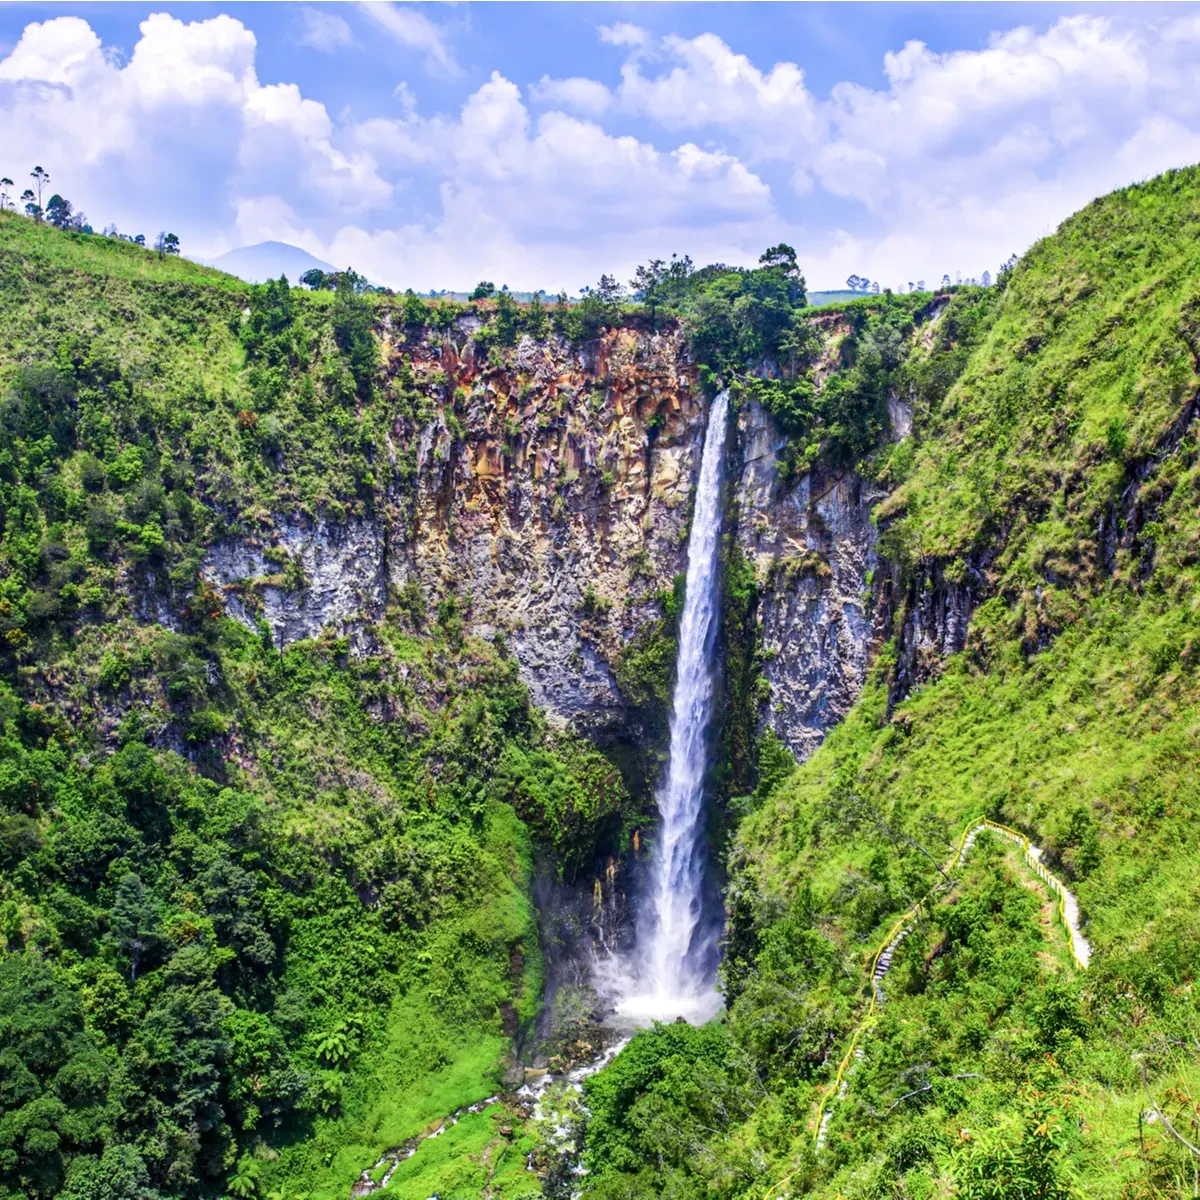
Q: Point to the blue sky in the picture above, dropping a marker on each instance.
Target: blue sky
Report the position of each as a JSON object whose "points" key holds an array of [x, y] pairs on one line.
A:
{"points": [[540, 145]]}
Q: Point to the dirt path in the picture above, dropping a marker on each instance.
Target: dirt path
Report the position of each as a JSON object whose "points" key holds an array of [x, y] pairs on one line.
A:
{"points": [[881, 964]]}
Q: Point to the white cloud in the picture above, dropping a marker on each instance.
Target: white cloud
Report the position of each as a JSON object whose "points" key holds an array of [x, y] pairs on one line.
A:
{"points": [[323, 31], [574, 165], [54, 52], [289, 141], [966, 154], [954, 161], [176, 134], [414, 31], [710, 85], [582, 95], [970, 155], [193, 65], [272, 219], [623, 34], [405, 97], [550, 201]]}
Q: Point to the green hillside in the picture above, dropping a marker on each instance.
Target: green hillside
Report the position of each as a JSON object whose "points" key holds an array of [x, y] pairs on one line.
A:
{"points": [[1058, 478], [253, 932]]}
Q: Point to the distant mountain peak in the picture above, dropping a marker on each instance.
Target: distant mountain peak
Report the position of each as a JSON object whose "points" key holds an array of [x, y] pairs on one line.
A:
{"points": [[269, 260]]}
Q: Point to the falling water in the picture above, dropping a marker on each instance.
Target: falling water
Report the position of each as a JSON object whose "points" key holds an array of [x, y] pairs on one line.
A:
{"points": [[672, 978]]}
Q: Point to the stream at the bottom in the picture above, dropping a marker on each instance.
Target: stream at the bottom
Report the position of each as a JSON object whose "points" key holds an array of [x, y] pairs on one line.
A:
{"points": [[559, 1110], [550, 1101], [390, 1161]]}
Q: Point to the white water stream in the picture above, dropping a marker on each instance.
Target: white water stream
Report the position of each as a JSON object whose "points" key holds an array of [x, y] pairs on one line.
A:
{"points": [[672, 976]]}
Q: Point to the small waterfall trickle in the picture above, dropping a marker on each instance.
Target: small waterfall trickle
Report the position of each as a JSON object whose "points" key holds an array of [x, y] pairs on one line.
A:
{"points": [[673, 972]]}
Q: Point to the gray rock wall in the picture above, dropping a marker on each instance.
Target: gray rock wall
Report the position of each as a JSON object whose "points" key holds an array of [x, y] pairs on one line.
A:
{"points": [[813, 547], [343, 571]]}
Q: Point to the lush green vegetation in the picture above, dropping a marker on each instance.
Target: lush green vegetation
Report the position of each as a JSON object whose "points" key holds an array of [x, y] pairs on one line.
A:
{"points": [[1054, 468], [260, 962], [263, 914], [824, 374], [266, 914]]}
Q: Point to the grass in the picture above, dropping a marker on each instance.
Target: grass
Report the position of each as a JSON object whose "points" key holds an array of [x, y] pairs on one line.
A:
{"points": [[470, 1159], [431, 1066], [92, 255], [1091, 358], [1074, 712]]}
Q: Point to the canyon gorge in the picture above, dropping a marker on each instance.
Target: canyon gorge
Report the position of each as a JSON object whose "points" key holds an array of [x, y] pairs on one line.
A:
{"points": [[410, 708]]}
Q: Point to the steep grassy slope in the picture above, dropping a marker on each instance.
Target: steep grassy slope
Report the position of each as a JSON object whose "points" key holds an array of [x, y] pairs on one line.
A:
{"points": [[1054, 489]]}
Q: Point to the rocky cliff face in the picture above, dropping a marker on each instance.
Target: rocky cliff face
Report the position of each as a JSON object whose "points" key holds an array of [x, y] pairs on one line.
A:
{"points": [[929, 619], [543, 491], [813, 547]]}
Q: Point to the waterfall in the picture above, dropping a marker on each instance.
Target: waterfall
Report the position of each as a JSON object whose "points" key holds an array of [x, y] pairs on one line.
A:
{"points": [[673, 976]]}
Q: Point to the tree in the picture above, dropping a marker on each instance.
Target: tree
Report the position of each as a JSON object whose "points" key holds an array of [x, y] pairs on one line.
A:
{"points": [[58, 212], [244, 1183], [313, 278], [646, 279], [920, 285], [875, 287], [535, 316], [609, 291], [47, 1062], [5, 201], [645, 284], [118, 1174], [32, 207], [166, 243], [659, 283], [781, 256], [484, 290], [945, 281], [1025, 1155], [352, 331], [781, 259], [40, 179], [986, 279], [140, 240], [170, 1073], [507, 317], [852, 282], [134, 922]]}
